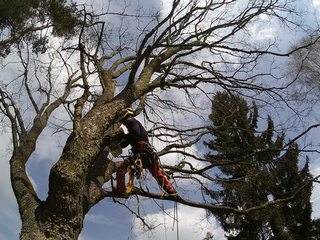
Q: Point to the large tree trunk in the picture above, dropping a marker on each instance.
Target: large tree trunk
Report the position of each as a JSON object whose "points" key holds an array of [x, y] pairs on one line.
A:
{"points": [[41, 226], [63, 218], [75, 181]]}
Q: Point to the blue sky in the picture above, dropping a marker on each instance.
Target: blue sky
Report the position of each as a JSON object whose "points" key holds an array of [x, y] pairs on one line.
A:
{"points": [[109, 219]]}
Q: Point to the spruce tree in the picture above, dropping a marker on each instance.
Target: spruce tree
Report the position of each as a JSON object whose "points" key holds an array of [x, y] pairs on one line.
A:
{"points": [[258, 171]]}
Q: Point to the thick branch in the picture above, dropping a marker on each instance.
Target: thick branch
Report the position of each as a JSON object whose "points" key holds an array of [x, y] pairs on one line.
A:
{"points": [[215, 207]]}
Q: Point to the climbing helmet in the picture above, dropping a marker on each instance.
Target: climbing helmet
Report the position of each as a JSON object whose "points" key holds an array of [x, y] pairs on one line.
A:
{"points": [[125, 112]]}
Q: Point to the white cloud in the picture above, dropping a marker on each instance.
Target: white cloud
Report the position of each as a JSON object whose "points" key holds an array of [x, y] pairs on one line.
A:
{"points": [[259, 33], [264, 28], [49, 146], [192, 224], [81, 237], [33, 182], [316, 3], [99, 219]]}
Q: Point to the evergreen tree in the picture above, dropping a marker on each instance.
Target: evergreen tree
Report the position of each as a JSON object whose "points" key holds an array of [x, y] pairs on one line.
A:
{"points": [[315, 230], [258, 171], [30, 20], [296, 215]]}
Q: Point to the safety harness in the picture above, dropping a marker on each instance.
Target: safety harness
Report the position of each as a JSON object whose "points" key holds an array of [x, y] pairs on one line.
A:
{"points": [[135, 165], [133, 170]]}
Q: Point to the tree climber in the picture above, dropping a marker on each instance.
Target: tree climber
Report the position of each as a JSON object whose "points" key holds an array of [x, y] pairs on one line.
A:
{"points": [[137, 137]]}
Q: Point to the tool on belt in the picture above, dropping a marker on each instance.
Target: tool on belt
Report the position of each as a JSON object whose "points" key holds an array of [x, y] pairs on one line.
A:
{"points": [[134, 170]]}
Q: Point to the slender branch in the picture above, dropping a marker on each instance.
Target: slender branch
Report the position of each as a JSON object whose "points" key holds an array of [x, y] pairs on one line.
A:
{"points": [[17, 36]]}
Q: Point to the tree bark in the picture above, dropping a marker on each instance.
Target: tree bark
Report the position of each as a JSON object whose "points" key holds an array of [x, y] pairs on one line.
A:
{"points": [[75, 181]]}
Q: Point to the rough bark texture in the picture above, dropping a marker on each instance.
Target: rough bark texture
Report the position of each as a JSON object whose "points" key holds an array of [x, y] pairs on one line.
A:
{"points": [[75, 181]]}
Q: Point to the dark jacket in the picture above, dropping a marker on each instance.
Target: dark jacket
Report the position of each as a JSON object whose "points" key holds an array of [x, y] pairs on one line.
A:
{"points": [[136, 133]]}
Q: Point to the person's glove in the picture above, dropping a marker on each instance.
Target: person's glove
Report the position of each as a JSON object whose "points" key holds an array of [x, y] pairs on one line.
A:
{"points": [[129, 161]]}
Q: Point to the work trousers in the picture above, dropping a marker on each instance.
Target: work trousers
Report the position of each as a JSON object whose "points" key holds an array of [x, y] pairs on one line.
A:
{"points": [[156, 172]]}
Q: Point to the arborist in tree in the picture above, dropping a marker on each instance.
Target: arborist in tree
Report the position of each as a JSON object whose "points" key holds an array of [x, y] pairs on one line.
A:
{"points": [[137, 137]]}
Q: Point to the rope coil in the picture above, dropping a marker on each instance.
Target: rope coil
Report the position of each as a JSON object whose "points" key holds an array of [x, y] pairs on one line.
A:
{"points": [[134, 170]]}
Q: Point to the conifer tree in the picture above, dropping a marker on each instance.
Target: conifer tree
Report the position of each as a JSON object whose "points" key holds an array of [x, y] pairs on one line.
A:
{"points": [[30, 20], [315, 230], [258, 171]]}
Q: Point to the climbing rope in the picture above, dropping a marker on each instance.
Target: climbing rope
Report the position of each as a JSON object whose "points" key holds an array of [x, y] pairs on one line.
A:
{"points": [[129, 186], [176, 219], [133, 170]]}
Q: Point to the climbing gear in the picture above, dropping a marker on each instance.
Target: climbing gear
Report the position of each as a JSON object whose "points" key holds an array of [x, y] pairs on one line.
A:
{"points": [[134, 165], [138, 168], [133, 168], [141, 147], [146, 153], [129, 186], [125, 112]]}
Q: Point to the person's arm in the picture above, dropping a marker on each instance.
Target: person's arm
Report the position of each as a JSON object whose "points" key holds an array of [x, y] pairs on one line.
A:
{"points": [[124, 142]]}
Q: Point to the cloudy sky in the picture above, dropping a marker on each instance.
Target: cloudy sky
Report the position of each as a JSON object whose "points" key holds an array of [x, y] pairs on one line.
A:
{"points": [[112, 220]]}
